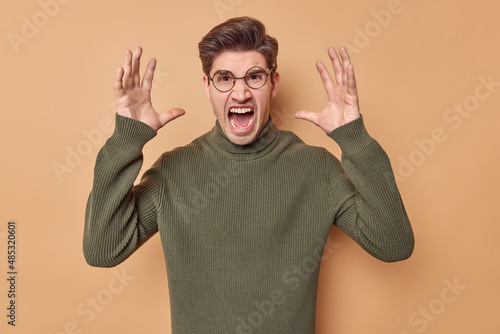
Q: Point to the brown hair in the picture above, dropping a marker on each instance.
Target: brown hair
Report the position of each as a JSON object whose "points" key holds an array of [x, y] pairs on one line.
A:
{"points": [[238, 34]]}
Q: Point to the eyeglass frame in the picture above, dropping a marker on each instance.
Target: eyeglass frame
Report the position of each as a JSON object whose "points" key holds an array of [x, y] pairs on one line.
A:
{"points": [[243, 77]]}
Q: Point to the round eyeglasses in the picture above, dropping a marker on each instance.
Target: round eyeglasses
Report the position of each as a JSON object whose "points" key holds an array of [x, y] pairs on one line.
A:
{"points": [[224, 81]]}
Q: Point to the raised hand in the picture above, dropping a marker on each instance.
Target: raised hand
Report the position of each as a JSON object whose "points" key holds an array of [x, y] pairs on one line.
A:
{"points": [[342, 106], [134, 96]]}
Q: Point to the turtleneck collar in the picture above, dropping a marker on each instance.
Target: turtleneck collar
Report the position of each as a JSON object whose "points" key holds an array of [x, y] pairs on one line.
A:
{"points": [[243, 152]]}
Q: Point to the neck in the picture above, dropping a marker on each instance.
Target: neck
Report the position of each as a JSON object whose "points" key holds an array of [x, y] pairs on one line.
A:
{"points": [[256, 148]]}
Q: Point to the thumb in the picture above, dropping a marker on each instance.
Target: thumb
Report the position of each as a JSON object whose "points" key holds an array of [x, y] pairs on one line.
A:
{"points": [[170, 115], [308, 116]]}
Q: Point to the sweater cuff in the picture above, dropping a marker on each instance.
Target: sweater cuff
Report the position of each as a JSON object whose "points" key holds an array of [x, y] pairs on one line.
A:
{"points": [[131, 134], [351, 137]]}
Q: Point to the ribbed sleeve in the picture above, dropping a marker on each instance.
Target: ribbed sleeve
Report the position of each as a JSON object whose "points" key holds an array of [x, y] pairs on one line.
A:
{"points": [[374, 215], [120, 217]]}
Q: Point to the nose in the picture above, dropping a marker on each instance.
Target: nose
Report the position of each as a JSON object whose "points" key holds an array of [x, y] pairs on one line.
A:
{"points": [[240, 91]]}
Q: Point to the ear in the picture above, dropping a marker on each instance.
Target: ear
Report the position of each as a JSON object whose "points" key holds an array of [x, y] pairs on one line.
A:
{"points": [[206, 83], [275, 83]]}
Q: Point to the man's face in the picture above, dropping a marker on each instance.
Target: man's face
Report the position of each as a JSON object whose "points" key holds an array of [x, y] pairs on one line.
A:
{"points": [[242, 112]]}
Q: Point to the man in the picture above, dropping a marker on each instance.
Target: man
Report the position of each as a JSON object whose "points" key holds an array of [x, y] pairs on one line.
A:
{"points": [[243, 211]]}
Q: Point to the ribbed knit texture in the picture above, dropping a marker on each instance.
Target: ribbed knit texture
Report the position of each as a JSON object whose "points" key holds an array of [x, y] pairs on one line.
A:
{"points": [[243, 227]]}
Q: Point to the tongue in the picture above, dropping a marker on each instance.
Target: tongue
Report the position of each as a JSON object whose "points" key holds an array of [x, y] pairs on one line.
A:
{"points": [[241, 120]]}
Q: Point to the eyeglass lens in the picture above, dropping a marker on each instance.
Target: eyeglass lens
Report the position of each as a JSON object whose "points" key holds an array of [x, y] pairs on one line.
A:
{"points": [[255, 78]]}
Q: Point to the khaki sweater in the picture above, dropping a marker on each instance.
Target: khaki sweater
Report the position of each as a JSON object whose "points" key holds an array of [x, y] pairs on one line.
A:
{"points": [[243, 227]]}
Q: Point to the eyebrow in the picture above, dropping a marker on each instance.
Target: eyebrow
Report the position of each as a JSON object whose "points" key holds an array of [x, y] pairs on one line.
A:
{"points": [[223, 71], [253, 70], [256, 70]]}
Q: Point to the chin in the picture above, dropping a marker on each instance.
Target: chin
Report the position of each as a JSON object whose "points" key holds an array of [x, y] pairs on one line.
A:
{"points": [[242, 140]]}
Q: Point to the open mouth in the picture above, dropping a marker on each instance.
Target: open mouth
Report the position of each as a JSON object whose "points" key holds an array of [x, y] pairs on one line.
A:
{"points": [[241, 119]]}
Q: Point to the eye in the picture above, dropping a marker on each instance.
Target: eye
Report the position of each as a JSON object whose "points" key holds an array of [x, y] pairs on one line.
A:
{"points": [[223, 78], [256, 76]]}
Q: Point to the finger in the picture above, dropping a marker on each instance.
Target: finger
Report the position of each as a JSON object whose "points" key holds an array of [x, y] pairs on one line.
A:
{"points": [[337, 66], [349, 69], [118, 84], [147, 80], [170, 115], [136, 65], [308, 116], [352, 89], [346, 59], [127, 69], [328, 82], [346, 62]]}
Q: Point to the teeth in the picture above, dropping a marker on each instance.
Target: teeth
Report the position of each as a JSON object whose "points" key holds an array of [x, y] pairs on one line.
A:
{"points": [[241, 128], [240, 110]]}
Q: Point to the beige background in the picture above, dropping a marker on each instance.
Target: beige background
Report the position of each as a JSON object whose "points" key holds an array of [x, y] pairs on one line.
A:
{"points": [[414, 70]]}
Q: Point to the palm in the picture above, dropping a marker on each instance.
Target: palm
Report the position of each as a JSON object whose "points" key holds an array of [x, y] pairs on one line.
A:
{"points": [[342, 106], [134, 96], [136, 104]]}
